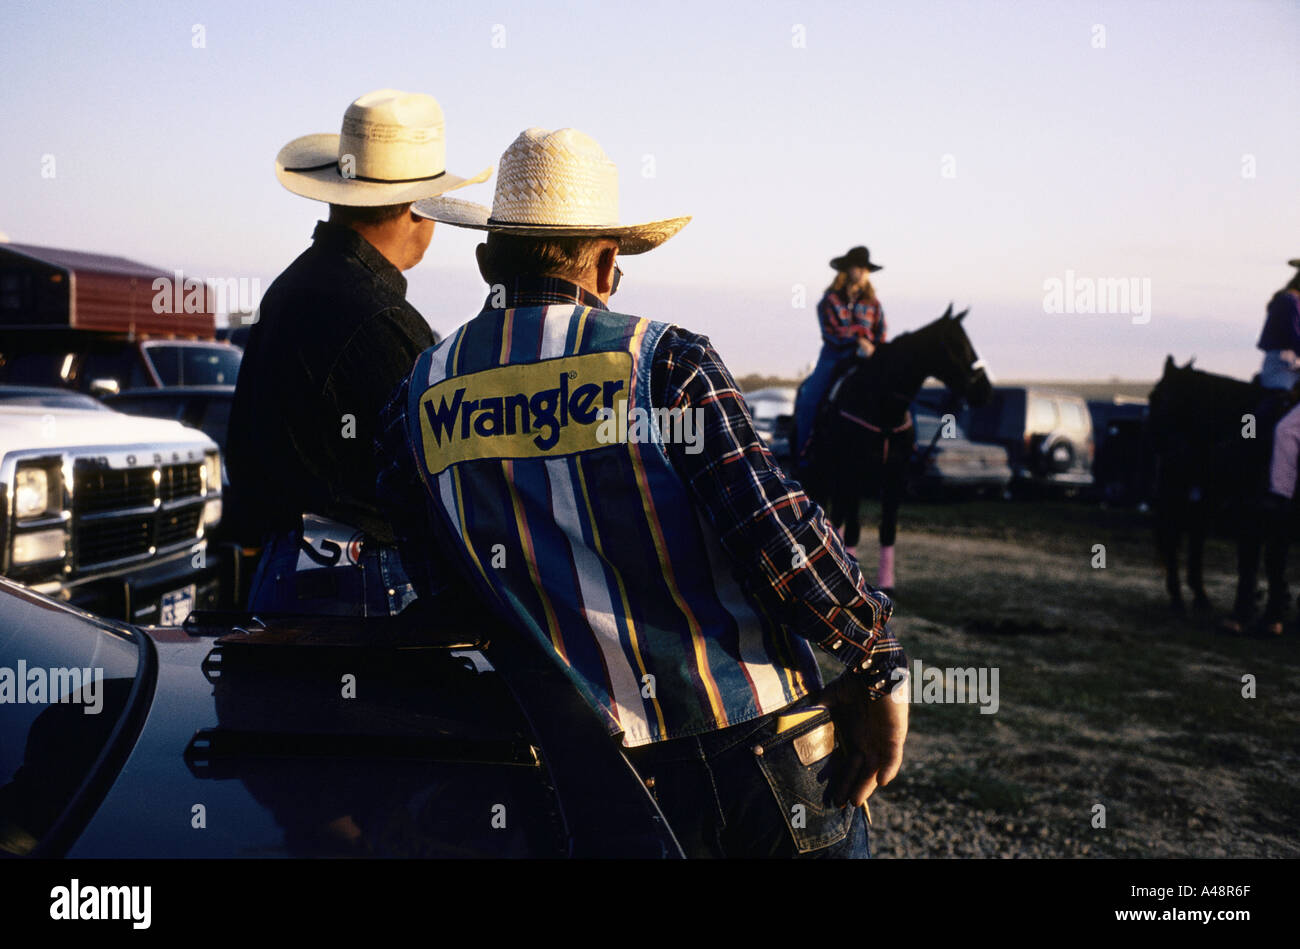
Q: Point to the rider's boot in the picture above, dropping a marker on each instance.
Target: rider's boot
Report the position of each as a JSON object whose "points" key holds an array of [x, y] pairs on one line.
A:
{"points": [[1277, 529], [885, 575]]}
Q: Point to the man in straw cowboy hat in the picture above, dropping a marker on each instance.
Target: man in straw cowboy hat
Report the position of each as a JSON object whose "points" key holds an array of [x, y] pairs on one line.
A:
{"points": [[596, 477], [334, 335]]}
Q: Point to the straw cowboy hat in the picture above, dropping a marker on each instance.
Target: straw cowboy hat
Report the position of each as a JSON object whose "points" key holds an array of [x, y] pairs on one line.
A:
{"points": [[554, 184], [392, 150], [856, 257]]}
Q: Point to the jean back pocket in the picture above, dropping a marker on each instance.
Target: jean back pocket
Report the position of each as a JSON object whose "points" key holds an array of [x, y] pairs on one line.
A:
{"points": [[798, 763]]}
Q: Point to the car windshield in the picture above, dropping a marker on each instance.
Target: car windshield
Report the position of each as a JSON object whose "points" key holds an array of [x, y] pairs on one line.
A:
{"points": [[32, 368], [768, 409], [47, 398], [190, 365], [67, 682], [767, 404]]}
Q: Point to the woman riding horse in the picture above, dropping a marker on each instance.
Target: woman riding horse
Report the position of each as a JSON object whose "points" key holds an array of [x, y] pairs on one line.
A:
{"points": [[1280, 340], [852, 322]]}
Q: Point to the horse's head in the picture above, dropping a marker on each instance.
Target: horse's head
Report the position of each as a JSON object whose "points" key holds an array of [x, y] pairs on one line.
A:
{"points": [[1169, 406], [957, 366]]}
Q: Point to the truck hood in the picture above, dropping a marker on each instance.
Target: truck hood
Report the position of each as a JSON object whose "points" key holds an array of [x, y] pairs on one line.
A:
{"points": [[26, 426]]}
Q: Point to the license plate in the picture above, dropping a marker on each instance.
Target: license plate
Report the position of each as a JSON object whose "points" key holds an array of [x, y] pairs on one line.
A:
{"points": [[176, 606]]}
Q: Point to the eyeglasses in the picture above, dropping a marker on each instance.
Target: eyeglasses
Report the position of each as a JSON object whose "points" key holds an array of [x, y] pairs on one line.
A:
{"points": [[618, 275]]}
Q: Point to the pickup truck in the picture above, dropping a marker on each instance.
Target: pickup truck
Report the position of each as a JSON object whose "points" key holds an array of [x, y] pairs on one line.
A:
{"points": [[106, 511]]}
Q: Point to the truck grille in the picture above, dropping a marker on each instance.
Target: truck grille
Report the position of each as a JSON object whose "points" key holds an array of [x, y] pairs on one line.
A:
{"points": [[106, 489], [100, 542], [180, 481], [120, 514], [179, 526]]}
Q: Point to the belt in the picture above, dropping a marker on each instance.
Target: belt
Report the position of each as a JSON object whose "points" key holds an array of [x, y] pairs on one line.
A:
{"points": [[328, 543]]}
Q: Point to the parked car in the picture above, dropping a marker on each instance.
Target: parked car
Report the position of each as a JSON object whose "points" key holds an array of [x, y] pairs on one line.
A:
{"points": [[773, 412], [945, 463], [240, 737], [1124, 468], [108, 511], [102, 363], [1047, 434]]}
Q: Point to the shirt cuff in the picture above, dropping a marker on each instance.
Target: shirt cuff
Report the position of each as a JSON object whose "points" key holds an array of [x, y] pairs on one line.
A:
{"points": [[826, 599]]}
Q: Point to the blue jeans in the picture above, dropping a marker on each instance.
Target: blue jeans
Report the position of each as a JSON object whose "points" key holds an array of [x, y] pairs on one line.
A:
{"points": [[743, 791], [366, 579], [811, 393]]}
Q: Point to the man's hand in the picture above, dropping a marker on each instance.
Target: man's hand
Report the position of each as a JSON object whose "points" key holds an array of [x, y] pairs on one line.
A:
{"points": [[871, 734]]}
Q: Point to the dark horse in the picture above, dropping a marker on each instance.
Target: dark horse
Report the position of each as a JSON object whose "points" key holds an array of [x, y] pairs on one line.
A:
{"points": [[1211, 439], [863, 437]]}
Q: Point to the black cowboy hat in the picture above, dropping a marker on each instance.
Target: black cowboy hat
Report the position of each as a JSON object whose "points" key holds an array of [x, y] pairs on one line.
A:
{"points": [[856, 257]]}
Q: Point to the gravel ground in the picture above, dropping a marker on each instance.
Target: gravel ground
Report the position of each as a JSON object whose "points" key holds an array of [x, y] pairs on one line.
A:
{"points": [[1105, 699]]}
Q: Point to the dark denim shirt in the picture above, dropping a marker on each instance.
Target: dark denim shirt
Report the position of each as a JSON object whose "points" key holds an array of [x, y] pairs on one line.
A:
{"points": [[334, 337]]}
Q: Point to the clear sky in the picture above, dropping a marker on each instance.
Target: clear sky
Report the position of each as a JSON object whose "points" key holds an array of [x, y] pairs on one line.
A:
{"points": [[980, 149]]}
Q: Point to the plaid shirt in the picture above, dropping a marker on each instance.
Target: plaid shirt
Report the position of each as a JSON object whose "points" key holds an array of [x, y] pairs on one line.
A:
{"points": [[777, 537], [844, 323]]}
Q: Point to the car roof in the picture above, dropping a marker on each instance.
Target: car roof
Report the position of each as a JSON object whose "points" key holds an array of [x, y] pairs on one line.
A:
{"points": [[165, 392]]}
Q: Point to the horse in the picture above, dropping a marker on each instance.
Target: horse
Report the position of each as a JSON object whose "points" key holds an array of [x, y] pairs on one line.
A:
{"points": [[1210, 436], [864, 436]]}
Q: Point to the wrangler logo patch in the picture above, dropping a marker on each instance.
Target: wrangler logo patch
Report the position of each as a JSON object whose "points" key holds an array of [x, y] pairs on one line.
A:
{"points": [[539, 410]]}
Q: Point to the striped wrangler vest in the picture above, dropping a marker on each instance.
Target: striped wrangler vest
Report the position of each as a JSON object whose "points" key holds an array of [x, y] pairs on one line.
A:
{"points": [[535, 446]]}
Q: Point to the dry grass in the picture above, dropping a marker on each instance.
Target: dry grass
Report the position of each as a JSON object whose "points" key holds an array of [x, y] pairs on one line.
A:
{"points": [[1105, 697]]}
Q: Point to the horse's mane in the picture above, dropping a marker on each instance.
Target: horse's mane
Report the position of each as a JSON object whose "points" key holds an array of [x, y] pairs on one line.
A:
{"points": [[891, 369], [1201, 408], [1210, 389]]}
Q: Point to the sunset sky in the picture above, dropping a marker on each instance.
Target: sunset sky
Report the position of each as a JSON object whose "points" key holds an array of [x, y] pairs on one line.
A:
{"points": [[979, 149]]}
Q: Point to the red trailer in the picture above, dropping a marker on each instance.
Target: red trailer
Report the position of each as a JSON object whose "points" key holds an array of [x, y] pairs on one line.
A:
{"points": [[49, 287], [102, 324]]}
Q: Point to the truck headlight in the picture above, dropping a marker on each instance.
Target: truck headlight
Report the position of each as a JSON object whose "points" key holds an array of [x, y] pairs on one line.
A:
{"points": [[212, 473], [36, 546], [35, 490]]}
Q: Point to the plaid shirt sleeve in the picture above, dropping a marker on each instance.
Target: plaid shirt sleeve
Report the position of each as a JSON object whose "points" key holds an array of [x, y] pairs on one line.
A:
{"points": [[792, 558]]}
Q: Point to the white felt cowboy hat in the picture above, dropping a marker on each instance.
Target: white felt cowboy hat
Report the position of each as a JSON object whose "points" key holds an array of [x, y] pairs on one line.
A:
{"points": [[554, 184], [391, 150]]}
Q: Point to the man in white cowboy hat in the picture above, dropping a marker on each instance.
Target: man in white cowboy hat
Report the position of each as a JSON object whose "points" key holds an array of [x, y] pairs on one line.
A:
{"points": [[596, 476], [334, 335]]}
